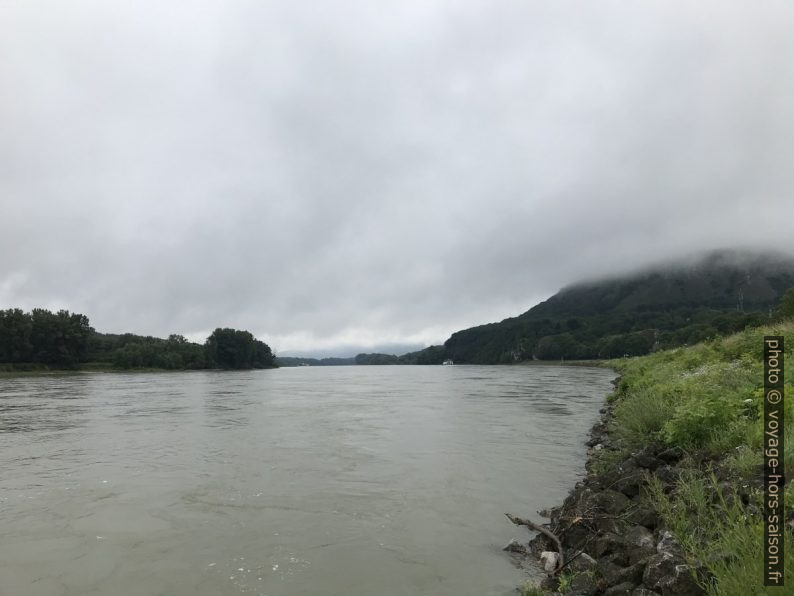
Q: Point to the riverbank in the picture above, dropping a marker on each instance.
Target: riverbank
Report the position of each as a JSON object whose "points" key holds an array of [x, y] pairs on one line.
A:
{"points": [[41, 370], [672, 500]]}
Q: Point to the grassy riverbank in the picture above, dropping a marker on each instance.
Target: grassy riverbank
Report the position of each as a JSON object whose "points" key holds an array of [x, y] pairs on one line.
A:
{"points": [[707, 401], [672, 503]]}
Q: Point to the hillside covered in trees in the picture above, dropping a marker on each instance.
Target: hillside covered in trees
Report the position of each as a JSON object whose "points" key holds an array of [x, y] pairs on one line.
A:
{"points": [[671, 305], [43, 339]]}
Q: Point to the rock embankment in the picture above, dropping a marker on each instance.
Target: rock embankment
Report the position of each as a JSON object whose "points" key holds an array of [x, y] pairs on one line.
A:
{"points": [[613, 541]]}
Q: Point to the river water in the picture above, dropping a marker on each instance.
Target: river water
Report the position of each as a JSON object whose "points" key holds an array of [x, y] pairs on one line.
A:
{"points": [[350, 481]]}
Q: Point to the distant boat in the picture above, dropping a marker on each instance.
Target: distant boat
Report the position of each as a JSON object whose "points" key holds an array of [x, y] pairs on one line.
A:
{"points": [[447, 362]]}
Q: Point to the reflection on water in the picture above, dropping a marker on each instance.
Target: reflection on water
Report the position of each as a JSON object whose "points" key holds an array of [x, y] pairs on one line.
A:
{"points": [[341, 480]]}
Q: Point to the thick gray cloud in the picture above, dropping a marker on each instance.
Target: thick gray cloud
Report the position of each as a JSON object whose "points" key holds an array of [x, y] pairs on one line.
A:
{"points": [[334, 173]]}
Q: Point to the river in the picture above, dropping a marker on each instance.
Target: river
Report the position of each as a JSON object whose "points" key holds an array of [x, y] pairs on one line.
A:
{"points": [[350, 481]]}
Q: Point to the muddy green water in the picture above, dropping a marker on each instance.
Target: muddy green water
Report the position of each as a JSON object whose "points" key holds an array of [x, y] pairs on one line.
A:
{"points": [[349, 481]]}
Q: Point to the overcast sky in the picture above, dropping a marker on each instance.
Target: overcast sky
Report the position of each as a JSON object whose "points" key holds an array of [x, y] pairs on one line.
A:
{"points": [[334, 175]]}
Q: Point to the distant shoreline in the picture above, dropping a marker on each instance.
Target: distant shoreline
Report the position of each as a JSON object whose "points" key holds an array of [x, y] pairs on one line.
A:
{"points": [[42, 371], [96, 369], [590, 363]]}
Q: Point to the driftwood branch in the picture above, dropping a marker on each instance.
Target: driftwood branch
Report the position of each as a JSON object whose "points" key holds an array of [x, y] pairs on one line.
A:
{"points": [[533, 526]]}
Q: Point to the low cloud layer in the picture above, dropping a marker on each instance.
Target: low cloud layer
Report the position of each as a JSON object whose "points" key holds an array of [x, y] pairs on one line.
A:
{"points": [[362, 173]]}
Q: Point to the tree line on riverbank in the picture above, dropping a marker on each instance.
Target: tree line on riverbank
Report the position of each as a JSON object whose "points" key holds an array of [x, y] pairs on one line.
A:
{"points": [[44, 339]]}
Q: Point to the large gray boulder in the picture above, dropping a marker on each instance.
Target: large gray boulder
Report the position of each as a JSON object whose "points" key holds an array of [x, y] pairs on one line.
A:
{"points": [[624, 589], [609, 543], [581, 562], [640, 544], [670, 576], [584, 584], [668, 543]]}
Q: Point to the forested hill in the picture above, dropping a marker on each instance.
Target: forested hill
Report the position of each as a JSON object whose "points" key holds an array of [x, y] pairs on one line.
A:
{"points": [[671, 305]]}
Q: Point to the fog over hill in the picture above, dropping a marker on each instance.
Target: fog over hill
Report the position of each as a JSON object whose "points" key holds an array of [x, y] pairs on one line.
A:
{"points": [[668, 304], [718, 279]]}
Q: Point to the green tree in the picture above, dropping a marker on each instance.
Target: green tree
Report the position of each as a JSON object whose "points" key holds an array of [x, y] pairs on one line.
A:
{"points": [[629, 344], [59, 338], [263, 355], [232, 348], [786, 306], [15, 330], [555, 347]]}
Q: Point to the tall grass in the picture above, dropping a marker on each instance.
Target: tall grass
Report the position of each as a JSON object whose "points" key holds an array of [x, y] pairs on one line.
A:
{"points": [[531, 590], [706, 397], [708, 400], [716, 530]]}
